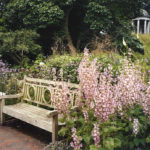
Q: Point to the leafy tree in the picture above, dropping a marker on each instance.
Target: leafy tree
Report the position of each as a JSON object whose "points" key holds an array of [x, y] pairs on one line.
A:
{"points": [[17, 45], [73, 8], [44, 17], [75, 22], [32, 14], [42, 14], [3, 4], [113, 17]]}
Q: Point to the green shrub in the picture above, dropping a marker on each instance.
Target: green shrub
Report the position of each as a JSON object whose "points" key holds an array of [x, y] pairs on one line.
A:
{"points": [[69, 64], [42, 67], [116, 133], [144, 60], [19, 46]]}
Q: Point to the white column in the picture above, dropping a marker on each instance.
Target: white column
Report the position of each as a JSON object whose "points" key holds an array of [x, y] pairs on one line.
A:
{"points": [[148, 27], [138, 26], [147, 30], [145, 26]]}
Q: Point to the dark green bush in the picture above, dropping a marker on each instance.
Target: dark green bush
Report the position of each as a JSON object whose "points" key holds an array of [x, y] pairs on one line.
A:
{"points": [[43, 68]]}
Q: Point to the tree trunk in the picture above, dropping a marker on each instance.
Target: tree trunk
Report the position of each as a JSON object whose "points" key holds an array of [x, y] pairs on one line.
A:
{"points": [[16, 58], [68, 36]]}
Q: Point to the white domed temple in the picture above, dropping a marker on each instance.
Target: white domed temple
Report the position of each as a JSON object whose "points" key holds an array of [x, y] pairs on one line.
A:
{"points": [[142, 24]]}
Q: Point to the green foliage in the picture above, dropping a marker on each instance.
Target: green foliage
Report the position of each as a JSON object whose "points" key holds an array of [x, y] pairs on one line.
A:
{"points": [[144, 60], [131, 41], [75, 22], [58, 145], [144, 38], [116, 133], [111, 16], [32, 14], [98, 16], [130, 141], [69, 64], [113, 12], [19, 45], [134, 43], [65, 3]]}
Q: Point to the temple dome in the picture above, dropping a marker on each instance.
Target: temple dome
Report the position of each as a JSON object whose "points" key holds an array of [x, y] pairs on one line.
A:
{"points": [[144, 13]]}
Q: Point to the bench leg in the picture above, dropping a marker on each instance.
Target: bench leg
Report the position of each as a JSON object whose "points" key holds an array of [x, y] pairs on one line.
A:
{"points": [[1, 112], [54, 128]]}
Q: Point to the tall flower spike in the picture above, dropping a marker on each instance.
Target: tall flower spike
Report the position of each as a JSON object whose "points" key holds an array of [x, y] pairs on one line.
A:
{"points": [[96, 135], [88, 76], [76, 140], [130, 88], [104, 98], [86, 117], [135, 126], [86, 52], [61, 74], [54, 74], [61, 98]]}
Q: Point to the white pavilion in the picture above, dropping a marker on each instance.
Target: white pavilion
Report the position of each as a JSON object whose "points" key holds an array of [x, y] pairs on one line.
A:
{"points": [[142, 24]]}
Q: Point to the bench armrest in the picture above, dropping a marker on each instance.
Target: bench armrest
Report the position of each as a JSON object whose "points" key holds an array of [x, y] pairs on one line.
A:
{"points": [[75, 108], [52, 113], [11, 96]]}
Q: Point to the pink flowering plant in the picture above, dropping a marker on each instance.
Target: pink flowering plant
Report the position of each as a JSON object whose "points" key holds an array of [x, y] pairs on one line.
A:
{"points": [[113, 110]]}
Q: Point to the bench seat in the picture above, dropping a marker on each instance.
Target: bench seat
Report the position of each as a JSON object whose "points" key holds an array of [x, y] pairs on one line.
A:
{"points": [[30, 114], [34, 93]]}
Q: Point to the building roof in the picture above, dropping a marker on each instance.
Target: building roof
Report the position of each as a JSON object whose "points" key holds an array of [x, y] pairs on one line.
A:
{"points": [[142, 18], [145, 15]]}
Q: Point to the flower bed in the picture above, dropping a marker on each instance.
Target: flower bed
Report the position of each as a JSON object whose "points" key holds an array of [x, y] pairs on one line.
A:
{"points": [[8, 78], [114, 109]]}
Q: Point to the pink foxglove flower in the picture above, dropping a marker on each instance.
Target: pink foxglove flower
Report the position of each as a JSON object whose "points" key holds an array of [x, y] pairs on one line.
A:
{"points": [[129, 87], [76, 140], [86, 117], [98, 95], [61, 98], [88, 76], [104, 94], [146, 101], [135, 126], [104, 97], [54, 74], [96, 135]]}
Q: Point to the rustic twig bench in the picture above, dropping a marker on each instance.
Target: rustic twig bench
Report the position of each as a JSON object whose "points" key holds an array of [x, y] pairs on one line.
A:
{"points": [[36, 93]]}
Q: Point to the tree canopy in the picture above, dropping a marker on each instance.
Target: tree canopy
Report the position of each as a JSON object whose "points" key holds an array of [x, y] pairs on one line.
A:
{"points": [[73, 23]]}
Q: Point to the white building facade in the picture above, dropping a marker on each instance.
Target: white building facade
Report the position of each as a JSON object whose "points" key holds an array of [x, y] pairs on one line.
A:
{"points": [[142, 25]]}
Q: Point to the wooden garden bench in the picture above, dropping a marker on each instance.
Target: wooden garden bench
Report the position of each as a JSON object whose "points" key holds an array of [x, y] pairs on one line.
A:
{"points": [[36, 93]]}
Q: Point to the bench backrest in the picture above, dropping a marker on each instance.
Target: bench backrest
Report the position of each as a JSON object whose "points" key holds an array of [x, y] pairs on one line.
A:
{"points": [[42, 92]]}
